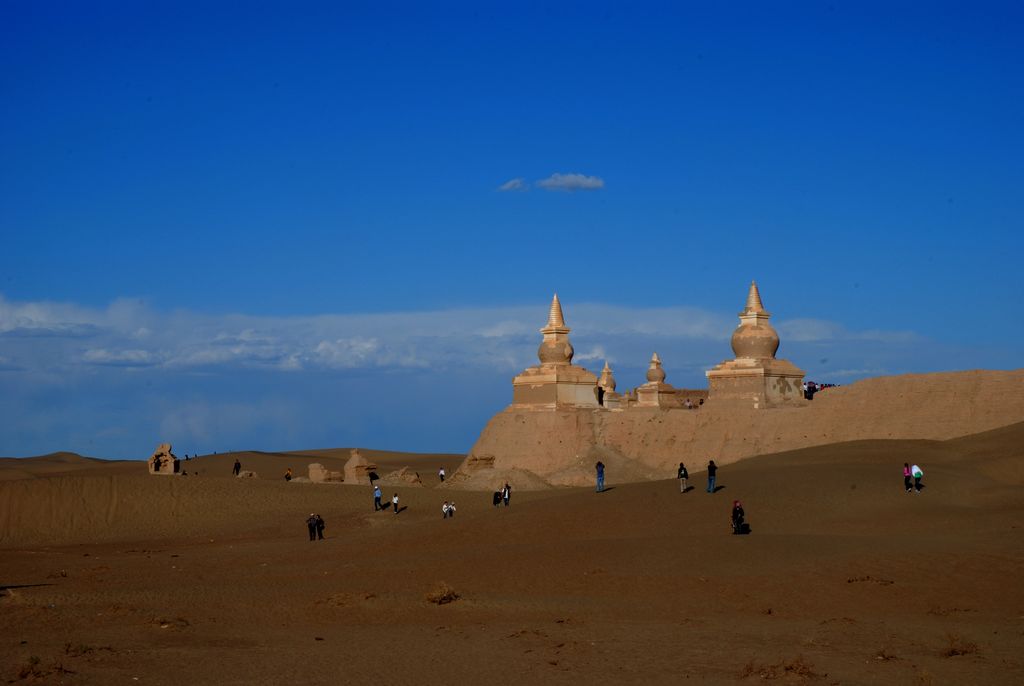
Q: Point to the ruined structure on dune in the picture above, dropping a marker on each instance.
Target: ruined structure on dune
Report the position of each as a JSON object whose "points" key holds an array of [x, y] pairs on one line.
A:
{"points": [[563, 418]]}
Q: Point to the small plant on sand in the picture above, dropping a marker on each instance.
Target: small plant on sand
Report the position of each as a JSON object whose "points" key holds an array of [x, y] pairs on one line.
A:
{"points": [[958, 646], [796, 668], [31, 669], [442, 594]]}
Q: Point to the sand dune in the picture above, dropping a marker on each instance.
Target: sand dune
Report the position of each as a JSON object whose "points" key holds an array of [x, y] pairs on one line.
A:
{"points": [[845, 579]]}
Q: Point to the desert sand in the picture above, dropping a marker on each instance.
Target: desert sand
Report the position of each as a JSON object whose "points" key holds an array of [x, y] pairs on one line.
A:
{"points": [[110, 576]]}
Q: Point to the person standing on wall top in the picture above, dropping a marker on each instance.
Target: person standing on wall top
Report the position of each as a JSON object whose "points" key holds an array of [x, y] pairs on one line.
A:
{"points": [[712, 471]]}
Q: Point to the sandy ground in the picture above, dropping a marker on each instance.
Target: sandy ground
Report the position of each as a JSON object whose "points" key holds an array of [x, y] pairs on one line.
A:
{"points": [[110, 576]]}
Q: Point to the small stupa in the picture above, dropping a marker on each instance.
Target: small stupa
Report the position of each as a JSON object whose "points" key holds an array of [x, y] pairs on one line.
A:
{"points": [[556, 381], [656, 393], [606, 388], [755, 376]]}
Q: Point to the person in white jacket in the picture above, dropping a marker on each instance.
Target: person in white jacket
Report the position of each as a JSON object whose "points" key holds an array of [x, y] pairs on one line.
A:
{"points": [[918, 475]]}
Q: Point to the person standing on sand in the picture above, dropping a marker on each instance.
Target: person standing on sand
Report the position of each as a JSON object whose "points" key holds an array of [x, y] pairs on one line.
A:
{"points": [[440, 474], [918, 474], [506, 493], [288, 474], [444, 510], [712, 471], [237, 469], [377, 495], [311, 525], [683, 476], [451, 509], [394, 502], [906, 476], [737, 517], [600, 475], [320, 525]]}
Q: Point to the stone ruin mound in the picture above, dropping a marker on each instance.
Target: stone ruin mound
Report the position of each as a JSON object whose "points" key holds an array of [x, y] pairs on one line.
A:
{"points": [[402, 477], [357, 469], [319, 474], [163, 461]]}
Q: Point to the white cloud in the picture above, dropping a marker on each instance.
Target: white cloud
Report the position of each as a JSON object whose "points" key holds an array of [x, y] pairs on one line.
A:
{"points": [[119, 358], [516, 184], [570, 182]]}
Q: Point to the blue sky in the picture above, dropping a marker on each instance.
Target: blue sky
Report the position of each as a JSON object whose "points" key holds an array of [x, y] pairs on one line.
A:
{"points": [[284, 227]]}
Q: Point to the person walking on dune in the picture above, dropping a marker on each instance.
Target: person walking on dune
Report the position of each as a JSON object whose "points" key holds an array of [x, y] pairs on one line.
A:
{"points": [[311, 525], [440, 474], [906, 476], [237, 469], [683, 476], [377, 495], [600, 476], [394, 502], [712, 472], [918, 475]]}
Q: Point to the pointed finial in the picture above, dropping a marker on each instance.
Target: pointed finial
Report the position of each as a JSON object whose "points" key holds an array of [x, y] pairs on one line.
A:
{"points": [[655, 359], [606, 369], [754, 299], [555, 318]]}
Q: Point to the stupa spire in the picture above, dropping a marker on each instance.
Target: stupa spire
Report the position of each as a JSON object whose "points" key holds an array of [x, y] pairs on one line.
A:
{"points": [[754, 304], [555, 318]]}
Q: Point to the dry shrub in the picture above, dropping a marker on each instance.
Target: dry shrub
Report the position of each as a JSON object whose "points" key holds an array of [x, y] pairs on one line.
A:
{"points": [[442, 594], [884, 655], [797, 667], [958, 646], [32, 668]]}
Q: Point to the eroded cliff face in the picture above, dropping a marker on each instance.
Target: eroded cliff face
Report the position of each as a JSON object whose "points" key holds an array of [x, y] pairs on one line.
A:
{"points": [[561, 446]]}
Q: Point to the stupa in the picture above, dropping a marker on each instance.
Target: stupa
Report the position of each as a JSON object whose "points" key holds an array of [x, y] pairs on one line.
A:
{"points": [[656, 393], [606, 394], [556, 382], [755, 376]]}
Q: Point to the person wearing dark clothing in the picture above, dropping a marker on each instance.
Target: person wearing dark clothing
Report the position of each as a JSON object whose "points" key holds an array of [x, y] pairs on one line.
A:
{"points": [[906, 476], [237, 469], [320, 525], [288, 474], [496, 498], [311, 525], [506, 493], [683, 476], [737, 517], [600, 476], [394, 502], [712, 471]]}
